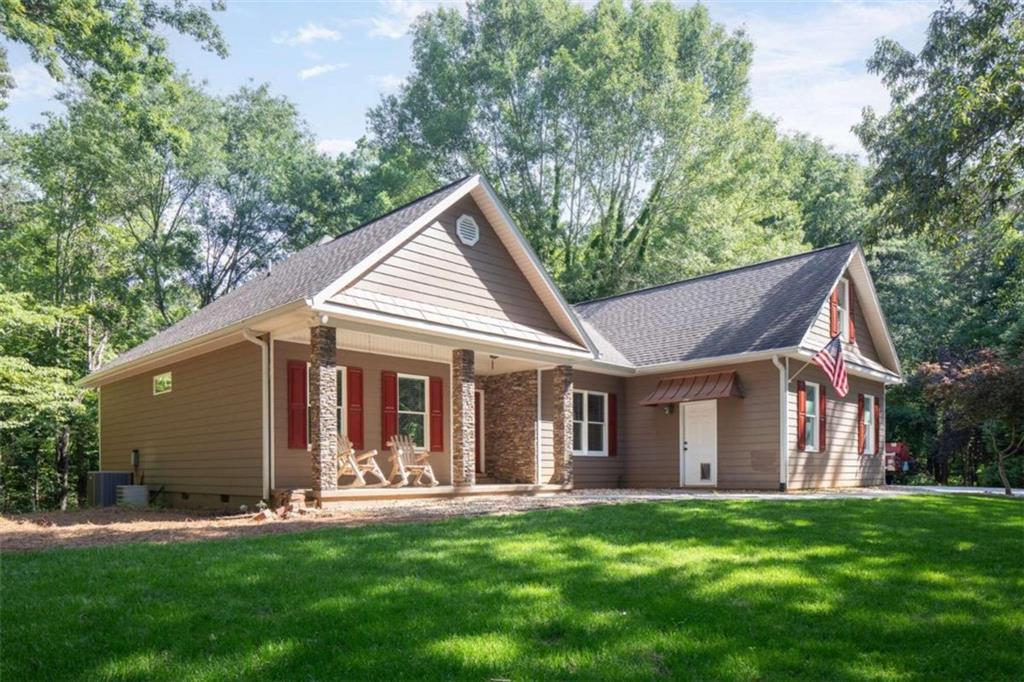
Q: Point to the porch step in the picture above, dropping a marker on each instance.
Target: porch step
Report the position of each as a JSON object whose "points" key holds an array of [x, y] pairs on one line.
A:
{"points": [[343, 495]]}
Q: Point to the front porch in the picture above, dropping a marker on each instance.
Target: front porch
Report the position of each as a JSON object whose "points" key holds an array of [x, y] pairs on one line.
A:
{"points": [[487, 423]]}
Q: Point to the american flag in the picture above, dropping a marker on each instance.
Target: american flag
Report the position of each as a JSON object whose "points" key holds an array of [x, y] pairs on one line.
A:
{"points": [[830, 359]]}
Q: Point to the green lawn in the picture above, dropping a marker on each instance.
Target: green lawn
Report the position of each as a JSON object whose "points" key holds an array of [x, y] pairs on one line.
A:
{"points": [[908, 588]]}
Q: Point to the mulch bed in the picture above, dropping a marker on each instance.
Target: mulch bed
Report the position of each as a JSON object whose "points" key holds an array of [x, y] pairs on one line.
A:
{"points": [[113, 525]]}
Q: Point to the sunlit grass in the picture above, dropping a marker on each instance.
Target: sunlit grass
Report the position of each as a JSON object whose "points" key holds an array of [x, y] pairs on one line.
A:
{"points": [[900, 589]]}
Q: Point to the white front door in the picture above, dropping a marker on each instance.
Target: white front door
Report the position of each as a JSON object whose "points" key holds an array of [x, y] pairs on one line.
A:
{"points": [[698, 443]]}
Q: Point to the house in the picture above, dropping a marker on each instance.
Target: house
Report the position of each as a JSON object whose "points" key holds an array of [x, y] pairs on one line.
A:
{"points": [[438, 320]]}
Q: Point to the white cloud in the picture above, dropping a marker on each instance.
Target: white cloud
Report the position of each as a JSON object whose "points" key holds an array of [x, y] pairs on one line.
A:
{"points": [[335, 146], [31, 81], [310, 33], [810, 72], [389, 82], [397, 15], [319, 70]]}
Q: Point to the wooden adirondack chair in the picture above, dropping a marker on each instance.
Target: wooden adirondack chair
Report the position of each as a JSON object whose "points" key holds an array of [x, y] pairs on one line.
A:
{"points": [[351, 464], [405, 460]]}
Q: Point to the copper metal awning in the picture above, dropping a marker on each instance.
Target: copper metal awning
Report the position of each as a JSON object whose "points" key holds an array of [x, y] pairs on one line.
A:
{"points": [[697, 387]]}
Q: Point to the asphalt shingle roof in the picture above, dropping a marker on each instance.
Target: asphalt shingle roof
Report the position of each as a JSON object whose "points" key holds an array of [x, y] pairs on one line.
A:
{"points": [[300, 276], [759, 307]]}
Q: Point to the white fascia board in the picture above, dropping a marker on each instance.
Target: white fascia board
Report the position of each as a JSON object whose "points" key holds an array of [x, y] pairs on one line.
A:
{"points": [[448, 336], [382, 251], [735, 359], [853, 369], [219, 338]]}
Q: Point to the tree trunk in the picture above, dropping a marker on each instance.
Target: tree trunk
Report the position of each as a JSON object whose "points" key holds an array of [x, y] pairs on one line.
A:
{"points": [[63, 435], [1001, 463]]}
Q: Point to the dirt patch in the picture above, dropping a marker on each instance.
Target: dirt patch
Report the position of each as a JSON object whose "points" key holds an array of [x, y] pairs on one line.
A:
{"points": [[109, 526]]}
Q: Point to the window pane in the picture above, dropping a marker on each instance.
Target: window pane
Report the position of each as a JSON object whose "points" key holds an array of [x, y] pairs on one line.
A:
{"points": [[809, 434], [595, 437], [412, 394], [843, 291], [341, 421], [577, 406], [412, 425], [577, 435], [812, 401], [341, 387], [595, 407]]}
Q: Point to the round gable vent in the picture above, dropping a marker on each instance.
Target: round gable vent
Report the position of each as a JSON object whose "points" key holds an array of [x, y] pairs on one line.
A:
{"points": [[467, 229]]}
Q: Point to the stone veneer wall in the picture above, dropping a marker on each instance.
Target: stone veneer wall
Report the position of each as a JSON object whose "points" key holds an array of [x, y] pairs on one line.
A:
{"points": [[323, 403], [463, 419], [561, 424], [510, 423]]}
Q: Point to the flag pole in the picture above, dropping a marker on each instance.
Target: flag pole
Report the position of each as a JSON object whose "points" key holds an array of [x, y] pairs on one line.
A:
{"points": [[800, 370], [812, 359]]}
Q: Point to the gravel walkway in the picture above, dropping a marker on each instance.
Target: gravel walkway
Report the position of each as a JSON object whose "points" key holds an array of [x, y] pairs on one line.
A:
{"points": [[96, 527]]}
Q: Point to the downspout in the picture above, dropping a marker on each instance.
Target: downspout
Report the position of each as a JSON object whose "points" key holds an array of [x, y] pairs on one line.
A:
{"points": [[251, 336], [783, 423]]}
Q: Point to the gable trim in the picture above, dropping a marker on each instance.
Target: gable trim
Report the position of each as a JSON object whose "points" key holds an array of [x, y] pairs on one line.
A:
{"points": [[872, 312], [555, 304]]}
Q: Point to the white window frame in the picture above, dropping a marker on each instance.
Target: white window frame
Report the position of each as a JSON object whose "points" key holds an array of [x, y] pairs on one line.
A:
{"points": [[870, 446], [586, 452], [812, 444], [170, 376], [339, 409], [844, 309], [426, 406]]}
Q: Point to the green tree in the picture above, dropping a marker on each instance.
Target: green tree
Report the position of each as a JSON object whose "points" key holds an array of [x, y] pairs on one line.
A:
{"points": [[950, 152], [115, 47], [602, 129]]}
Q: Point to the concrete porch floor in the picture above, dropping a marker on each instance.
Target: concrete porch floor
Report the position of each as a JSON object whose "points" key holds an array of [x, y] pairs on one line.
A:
{"points": [[346, 495]]}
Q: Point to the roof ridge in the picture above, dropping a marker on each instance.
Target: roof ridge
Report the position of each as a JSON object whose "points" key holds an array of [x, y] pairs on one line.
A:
{"points": [[402, 207], [714, 274]]}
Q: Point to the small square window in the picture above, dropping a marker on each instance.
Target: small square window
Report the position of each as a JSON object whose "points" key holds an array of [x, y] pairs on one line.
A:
{"points": [[162, 383]]}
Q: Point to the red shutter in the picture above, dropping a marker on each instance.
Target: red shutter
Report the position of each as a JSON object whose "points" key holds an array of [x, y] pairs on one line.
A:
{"points": [[878, 423], [613, 425], [860, 423], [389, 407], [822, 402], [436, 415], [851, 328], [801, 416], [354, 409], [833, 313], [297, 404]]}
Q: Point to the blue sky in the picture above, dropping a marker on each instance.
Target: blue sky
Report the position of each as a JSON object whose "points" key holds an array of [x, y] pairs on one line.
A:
{"points": [[335, 59]]}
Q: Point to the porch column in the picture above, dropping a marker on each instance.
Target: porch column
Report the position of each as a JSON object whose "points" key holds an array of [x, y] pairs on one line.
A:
{"points": [[561, 423], [323, 403], [463, 417]]}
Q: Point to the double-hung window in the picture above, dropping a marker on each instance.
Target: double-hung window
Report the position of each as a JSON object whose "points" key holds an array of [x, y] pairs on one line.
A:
{"points": [[844, 308], [812, 439], [339, 409], [412, 408], [869, 425], [590, 423]]}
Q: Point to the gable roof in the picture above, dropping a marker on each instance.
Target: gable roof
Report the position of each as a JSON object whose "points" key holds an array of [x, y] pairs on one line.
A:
{"points": [[755, 308], [300, 276]]}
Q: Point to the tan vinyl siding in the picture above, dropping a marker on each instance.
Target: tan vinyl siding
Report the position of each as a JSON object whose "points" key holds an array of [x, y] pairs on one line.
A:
{"points": [[748, 432], [293, 467], [467, 282], [588, 472], [841, 464], [202, 437], [818, 335]]}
